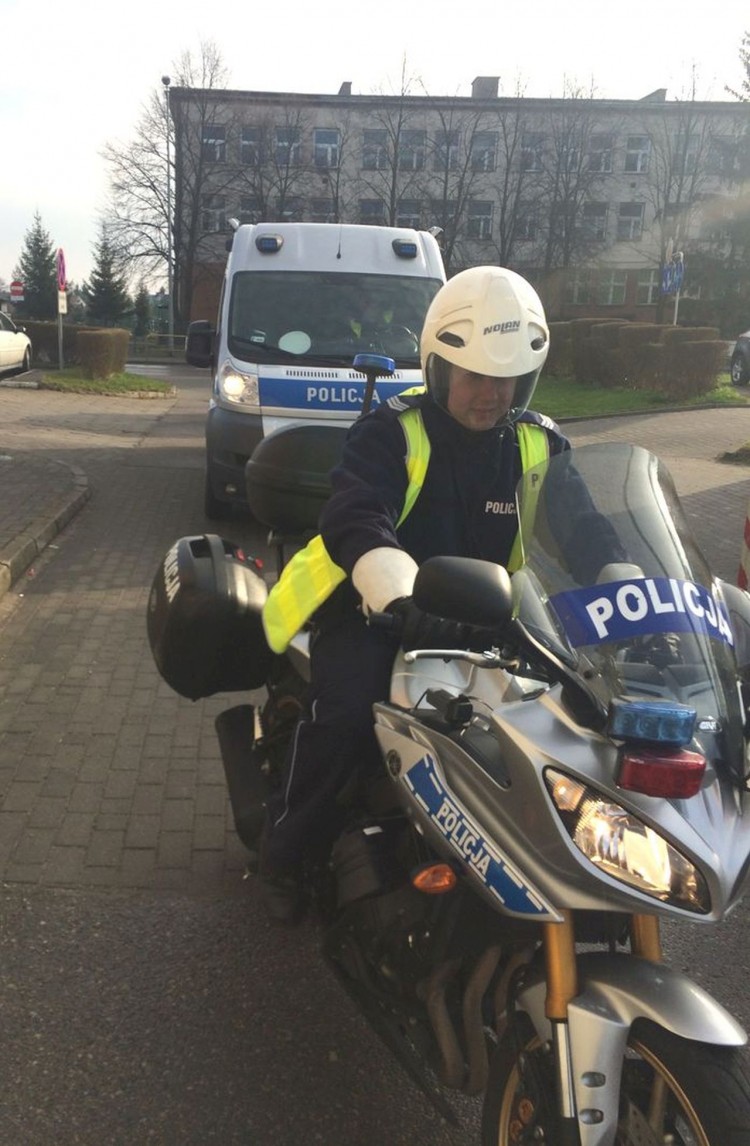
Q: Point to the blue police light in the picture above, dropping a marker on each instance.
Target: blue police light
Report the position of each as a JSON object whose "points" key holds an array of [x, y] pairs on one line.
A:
{"points": [[269, 244], [379, 364], [405, 248], [651, 721]]}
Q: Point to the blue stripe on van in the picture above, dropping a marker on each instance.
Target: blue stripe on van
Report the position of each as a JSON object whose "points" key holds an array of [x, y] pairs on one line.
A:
{"points": [[322, 394]]}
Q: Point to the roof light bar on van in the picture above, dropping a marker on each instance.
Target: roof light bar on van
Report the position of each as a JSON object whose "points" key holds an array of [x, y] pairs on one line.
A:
{"points": [[269, 244], [405, 248], [651, 721]]}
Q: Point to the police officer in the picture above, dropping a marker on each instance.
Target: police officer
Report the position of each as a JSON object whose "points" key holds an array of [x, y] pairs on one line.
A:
{"points": [[421, 475]]}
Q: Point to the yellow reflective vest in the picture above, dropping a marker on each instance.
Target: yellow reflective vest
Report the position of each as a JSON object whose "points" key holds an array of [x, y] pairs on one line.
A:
{"points": [[311, 576]]}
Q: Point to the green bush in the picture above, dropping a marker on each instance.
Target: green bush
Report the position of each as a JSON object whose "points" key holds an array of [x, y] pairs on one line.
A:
{"points": [[45, 349], [102, 352], [586, 363], [607, 333], [692, 367], [680, 334], [560, 357]]}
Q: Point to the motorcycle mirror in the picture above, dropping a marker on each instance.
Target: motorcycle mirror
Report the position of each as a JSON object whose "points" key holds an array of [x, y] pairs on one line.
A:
{"points": [[466, 590]]}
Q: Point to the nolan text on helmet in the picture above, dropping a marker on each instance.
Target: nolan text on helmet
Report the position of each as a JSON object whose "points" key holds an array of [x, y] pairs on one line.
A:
{"points": [[503, 327]]}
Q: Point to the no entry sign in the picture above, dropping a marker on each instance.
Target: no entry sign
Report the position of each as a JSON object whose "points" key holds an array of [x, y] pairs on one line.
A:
{"points": [[61, 282]]}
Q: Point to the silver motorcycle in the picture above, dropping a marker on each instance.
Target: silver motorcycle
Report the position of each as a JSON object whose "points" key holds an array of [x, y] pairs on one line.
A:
{"points": [[494, 902]]}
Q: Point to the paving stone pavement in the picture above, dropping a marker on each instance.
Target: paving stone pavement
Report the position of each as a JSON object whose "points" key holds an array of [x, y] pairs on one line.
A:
{"points": [[107, 778]]}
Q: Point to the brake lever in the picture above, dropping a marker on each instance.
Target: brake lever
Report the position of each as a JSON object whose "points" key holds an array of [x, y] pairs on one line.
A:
{"points": [[491, 658]]}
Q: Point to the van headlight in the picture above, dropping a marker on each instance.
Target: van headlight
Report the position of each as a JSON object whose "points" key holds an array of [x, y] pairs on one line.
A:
{"points": [[237, 387], [620, 844]]}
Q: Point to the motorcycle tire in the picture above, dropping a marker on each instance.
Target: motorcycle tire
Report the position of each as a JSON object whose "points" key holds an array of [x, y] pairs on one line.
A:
{"points": [[702, 1092]]}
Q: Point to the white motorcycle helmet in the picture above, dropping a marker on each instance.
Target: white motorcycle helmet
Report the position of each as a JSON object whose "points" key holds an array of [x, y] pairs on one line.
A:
{"points": [[488, 320]]}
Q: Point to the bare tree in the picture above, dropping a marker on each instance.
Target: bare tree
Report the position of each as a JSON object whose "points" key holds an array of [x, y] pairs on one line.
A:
{"points": [[744, 53], [461, 157], [517, 197], [678, 175], [273, 169], [138, 218], [571, 172], [394, 154]]}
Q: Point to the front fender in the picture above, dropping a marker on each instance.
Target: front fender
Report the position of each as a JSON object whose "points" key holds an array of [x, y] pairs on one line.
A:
{"points": [[615, 991]]}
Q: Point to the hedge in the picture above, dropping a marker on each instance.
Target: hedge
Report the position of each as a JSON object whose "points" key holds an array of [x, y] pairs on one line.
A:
{"points": [[102, 352]]}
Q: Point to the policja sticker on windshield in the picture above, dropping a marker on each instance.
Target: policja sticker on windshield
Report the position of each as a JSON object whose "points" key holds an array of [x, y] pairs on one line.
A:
{"points": [[622, 610]]}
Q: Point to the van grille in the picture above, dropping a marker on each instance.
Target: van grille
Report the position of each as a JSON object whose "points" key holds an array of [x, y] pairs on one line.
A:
{"points": [[333, 375]]}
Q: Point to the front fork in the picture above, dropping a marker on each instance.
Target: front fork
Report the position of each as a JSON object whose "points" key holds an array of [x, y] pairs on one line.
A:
{"points": [[562, 988]]}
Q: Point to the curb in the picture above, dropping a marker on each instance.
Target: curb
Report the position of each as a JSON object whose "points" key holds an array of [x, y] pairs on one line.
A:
{"points": [[17, 555]]}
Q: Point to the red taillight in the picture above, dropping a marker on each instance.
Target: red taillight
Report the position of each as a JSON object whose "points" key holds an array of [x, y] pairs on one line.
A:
{"points": [[673, 775]]}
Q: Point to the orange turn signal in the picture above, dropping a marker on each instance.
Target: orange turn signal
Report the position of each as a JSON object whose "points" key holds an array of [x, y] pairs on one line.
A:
{"points": [[434, 878]]}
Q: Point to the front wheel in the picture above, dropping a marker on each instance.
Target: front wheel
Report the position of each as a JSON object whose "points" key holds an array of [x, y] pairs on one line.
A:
{"points": [[673, 1090]]}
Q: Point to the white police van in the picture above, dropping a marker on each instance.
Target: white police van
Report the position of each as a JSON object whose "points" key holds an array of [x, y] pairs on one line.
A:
{"points": [[299, 301]]}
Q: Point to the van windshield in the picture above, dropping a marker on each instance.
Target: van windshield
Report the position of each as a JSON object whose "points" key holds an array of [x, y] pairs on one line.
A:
{"points": [[325, 318]]}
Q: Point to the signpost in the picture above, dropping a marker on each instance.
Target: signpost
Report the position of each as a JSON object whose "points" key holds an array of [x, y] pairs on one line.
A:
{"points": [[62, 303], [16, 291]]}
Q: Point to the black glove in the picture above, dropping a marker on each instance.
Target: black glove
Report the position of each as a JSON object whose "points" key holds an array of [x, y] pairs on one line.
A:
{"points": [[421, 630]]}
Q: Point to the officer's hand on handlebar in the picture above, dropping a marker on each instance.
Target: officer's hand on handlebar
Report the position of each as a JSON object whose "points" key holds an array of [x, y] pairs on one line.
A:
{"points": [[420, 630]]}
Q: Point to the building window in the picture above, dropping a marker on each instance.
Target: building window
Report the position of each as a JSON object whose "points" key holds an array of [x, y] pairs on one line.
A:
{"points": [[687, 148], [647, 288], [596, 288], [250, 210], [479, 219], [375, 149], [600, 153], [484, 151], [443, 213], [532, 151], [250, 146], [721, 158], [411, 150], [287, 146], [527, 225], [446, 151], [630, 222], [595, 221], [716, 230], [372, 211], [570, 157], [290, 208], [610, 288], [214, 143], [322, 211], [326, 147], [579, 288], [638, 153], [213, 213], [408, 213]]}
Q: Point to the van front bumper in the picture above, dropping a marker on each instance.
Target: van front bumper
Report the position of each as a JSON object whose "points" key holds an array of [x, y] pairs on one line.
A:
{"points": [[231, 438]]}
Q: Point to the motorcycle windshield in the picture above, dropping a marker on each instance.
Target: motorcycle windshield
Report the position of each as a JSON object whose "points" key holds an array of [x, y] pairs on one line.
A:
{"points": [[614, 583]]}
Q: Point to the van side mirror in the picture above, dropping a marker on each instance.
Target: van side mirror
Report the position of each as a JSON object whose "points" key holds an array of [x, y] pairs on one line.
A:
{"points": [[199, 345]]}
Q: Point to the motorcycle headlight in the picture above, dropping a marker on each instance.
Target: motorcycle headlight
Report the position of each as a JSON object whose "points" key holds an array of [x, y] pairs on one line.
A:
{"points": [[623, 846], [234, 386]]}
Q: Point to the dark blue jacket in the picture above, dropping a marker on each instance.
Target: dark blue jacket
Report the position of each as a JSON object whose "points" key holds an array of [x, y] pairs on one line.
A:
{"points": [[466, 506]]}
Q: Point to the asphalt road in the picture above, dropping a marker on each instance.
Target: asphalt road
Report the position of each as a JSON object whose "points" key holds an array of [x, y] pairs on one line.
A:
{"points": [[143, 997]]}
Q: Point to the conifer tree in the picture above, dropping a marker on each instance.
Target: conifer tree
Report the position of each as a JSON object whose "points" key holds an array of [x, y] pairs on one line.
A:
{"points": [[106, 293], [142, 310], [37, 270]]}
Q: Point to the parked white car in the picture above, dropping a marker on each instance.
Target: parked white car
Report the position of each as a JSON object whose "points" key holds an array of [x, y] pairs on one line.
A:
{"points": [[15, 346]]}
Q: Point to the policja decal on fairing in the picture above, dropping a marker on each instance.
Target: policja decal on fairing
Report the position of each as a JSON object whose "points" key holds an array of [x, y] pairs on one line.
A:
{"points": [[466, 839]]}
